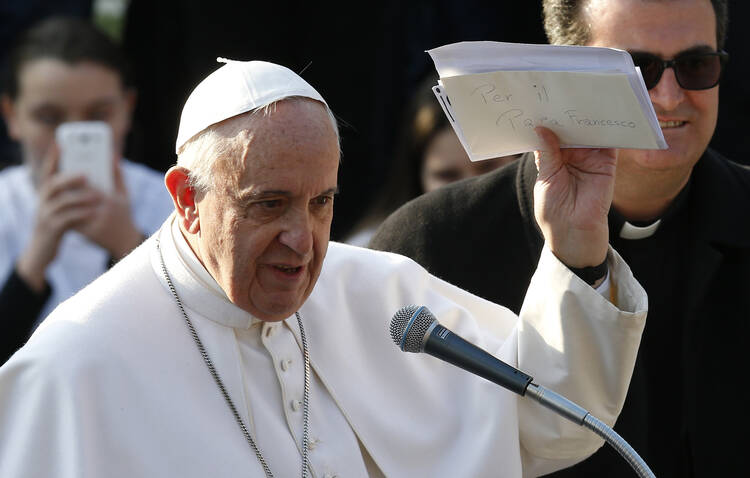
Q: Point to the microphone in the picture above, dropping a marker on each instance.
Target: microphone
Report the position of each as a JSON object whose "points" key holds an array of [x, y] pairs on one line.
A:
{"points": [[415, 329]]}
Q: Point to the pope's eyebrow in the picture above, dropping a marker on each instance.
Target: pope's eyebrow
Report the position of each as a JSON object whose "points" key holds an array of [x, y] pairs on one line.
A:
{"points": [[266, 192], [257, 195]]}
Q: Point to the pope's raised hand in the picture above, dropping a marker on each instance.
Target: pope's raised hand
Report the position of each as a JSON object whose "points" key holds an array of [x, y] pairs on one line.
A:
{"points": [[572, 196]]}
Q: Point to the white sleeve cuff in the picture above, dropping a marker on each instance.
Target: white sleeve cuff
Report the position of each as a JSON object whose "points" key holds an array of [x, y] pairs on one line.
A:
{"points": [[603, 288]]}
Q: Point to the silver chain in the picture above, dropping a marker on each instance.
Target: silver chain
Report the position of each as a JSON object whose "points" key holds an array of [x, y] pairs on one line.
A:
{"points": [[209, 363]]}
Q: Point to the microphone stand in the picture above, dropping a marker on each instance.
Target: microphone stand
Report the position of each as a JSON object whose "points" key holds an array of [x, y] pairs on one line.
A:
{"points": [[568, 409], [415, 329]]}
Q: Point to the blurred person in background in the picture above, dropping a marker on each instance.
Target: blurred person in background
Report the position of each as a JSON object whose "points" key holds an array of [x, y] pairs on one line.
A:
{"points": [[58, 233], [428, 157], [17, 16]]}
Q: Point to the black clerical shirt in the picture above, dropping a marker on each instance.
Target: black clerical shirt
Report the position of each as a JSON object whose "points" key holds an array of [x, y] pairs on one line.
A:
{"points": [[480, 234], [652, 419]]}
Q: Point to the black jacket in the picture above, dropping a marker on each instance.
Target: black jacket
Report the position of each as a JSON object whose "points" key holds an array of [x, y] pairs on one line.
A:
{"points": [[480, 234]]}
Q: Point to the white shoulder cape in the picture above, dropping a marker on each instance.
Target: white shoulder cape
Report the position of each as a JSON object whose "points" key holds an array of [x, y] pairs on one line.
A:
{"points": [[111, 384]]}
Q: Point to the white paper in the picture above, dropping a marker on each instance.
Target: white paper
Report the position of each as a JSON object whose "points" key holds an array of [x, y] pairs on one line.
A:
{"points": [[495, 93]]}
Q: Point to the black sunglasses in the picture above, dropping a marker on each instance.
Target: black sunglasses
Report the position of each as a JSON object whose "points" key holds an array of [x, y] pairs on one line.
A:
{"points": [[694, 71]]}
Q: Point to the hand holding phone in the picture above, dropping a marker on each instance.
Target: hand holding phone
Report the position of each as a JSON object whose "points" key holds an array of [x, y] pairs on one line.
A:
{"points": [[86, 148]]}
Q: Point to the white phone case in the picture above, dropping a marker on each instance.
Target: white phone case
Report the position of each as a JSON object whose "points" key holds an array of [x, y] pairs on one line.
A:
{"points": [[86, 148]]}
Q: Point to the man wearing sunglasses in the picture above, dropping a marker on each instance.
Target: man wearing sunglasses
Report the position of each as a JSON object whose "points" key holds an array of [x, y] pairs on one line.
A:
{"points": [[680, 217]]}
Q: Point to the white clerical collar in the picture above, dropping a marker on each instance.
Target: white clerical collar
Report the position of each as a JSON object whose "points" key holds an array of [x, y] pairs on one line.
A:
{"points": [[192, 263], [203, 293], [629, 231]]}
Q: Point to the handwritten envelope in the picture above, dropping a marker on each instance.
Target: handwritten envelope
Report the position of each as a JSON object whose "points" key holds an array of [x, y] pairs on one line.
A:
{"points": [[591, 97]]}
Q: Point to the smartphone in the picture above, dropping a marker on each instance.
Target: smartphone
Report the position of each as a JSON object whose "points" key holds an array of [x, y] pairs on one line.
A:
{"points": [[86, 148]]}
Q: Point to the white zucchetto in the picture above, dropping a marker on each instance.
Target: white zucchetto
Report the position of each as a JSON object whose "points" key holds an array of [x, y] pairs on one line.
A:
{"points": [[236, 88]]}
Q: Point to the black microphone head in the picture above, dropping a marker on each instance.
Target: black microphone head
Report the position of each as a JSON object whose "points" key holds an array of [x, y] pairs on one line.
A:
{"points": [[409, 326]]}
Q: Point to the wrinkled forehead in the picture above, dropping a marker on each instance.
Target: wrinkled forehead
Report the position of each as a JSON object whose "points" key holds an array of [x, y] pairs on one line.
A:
{"points": [[294, 138], [282, 123], [291, 128], [305, 115]]}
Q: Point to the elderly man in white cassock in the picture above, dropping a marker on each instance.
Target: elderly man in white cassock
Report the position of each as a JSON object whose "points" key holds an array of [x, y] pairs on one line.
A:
{"points": [[237, 341]]}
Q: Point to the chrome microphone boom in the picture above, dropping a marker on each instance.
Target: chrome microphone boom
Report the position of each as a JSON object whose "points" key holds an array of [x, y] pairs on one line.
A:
{"points": [[415, 329]]}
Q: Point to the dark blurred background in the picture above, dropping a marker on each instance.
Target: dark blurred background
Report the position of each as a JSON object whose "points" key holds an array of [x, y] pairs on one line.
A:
{"points": [[365, 58]]}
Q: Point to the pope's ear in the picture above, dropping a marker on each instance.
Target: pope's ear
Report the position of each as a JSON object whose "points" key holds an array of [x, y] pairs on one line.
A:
{"points": [[177, 181]]}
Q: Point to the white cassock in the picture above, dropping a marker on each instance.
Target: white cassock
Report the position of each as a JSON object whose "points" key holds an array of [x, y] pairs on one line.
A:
{"points": [[112, 383]]}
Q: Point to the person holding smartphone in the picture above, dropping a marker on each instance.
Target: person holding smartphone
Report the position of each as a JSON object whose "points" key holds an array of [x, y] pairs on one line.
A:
{"points": [[58, 230]]}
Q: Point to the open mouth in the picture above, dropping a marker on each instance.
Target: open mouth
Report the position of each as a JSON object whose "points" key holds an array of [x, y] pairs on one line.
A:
{"points": [[288, 270], [671, 124]]}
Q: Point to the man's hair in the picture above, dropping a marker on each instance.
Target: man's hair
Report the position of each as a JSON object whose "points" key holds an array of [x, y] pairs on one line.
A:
{"points": [[565, 23], [217, 151], [68, 39]]}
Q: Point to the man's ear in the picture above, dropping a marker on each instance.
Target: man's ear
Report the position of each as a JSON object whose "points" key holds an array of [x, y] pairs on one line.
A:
{"points": [[183, 197], [9, 114]]}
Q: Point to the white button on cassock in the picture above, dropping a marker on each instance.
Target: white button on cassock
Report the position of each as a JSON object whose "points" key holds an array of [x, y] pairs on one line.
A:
{"points": [[296, 405], [285, 363], [270, 330]]}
